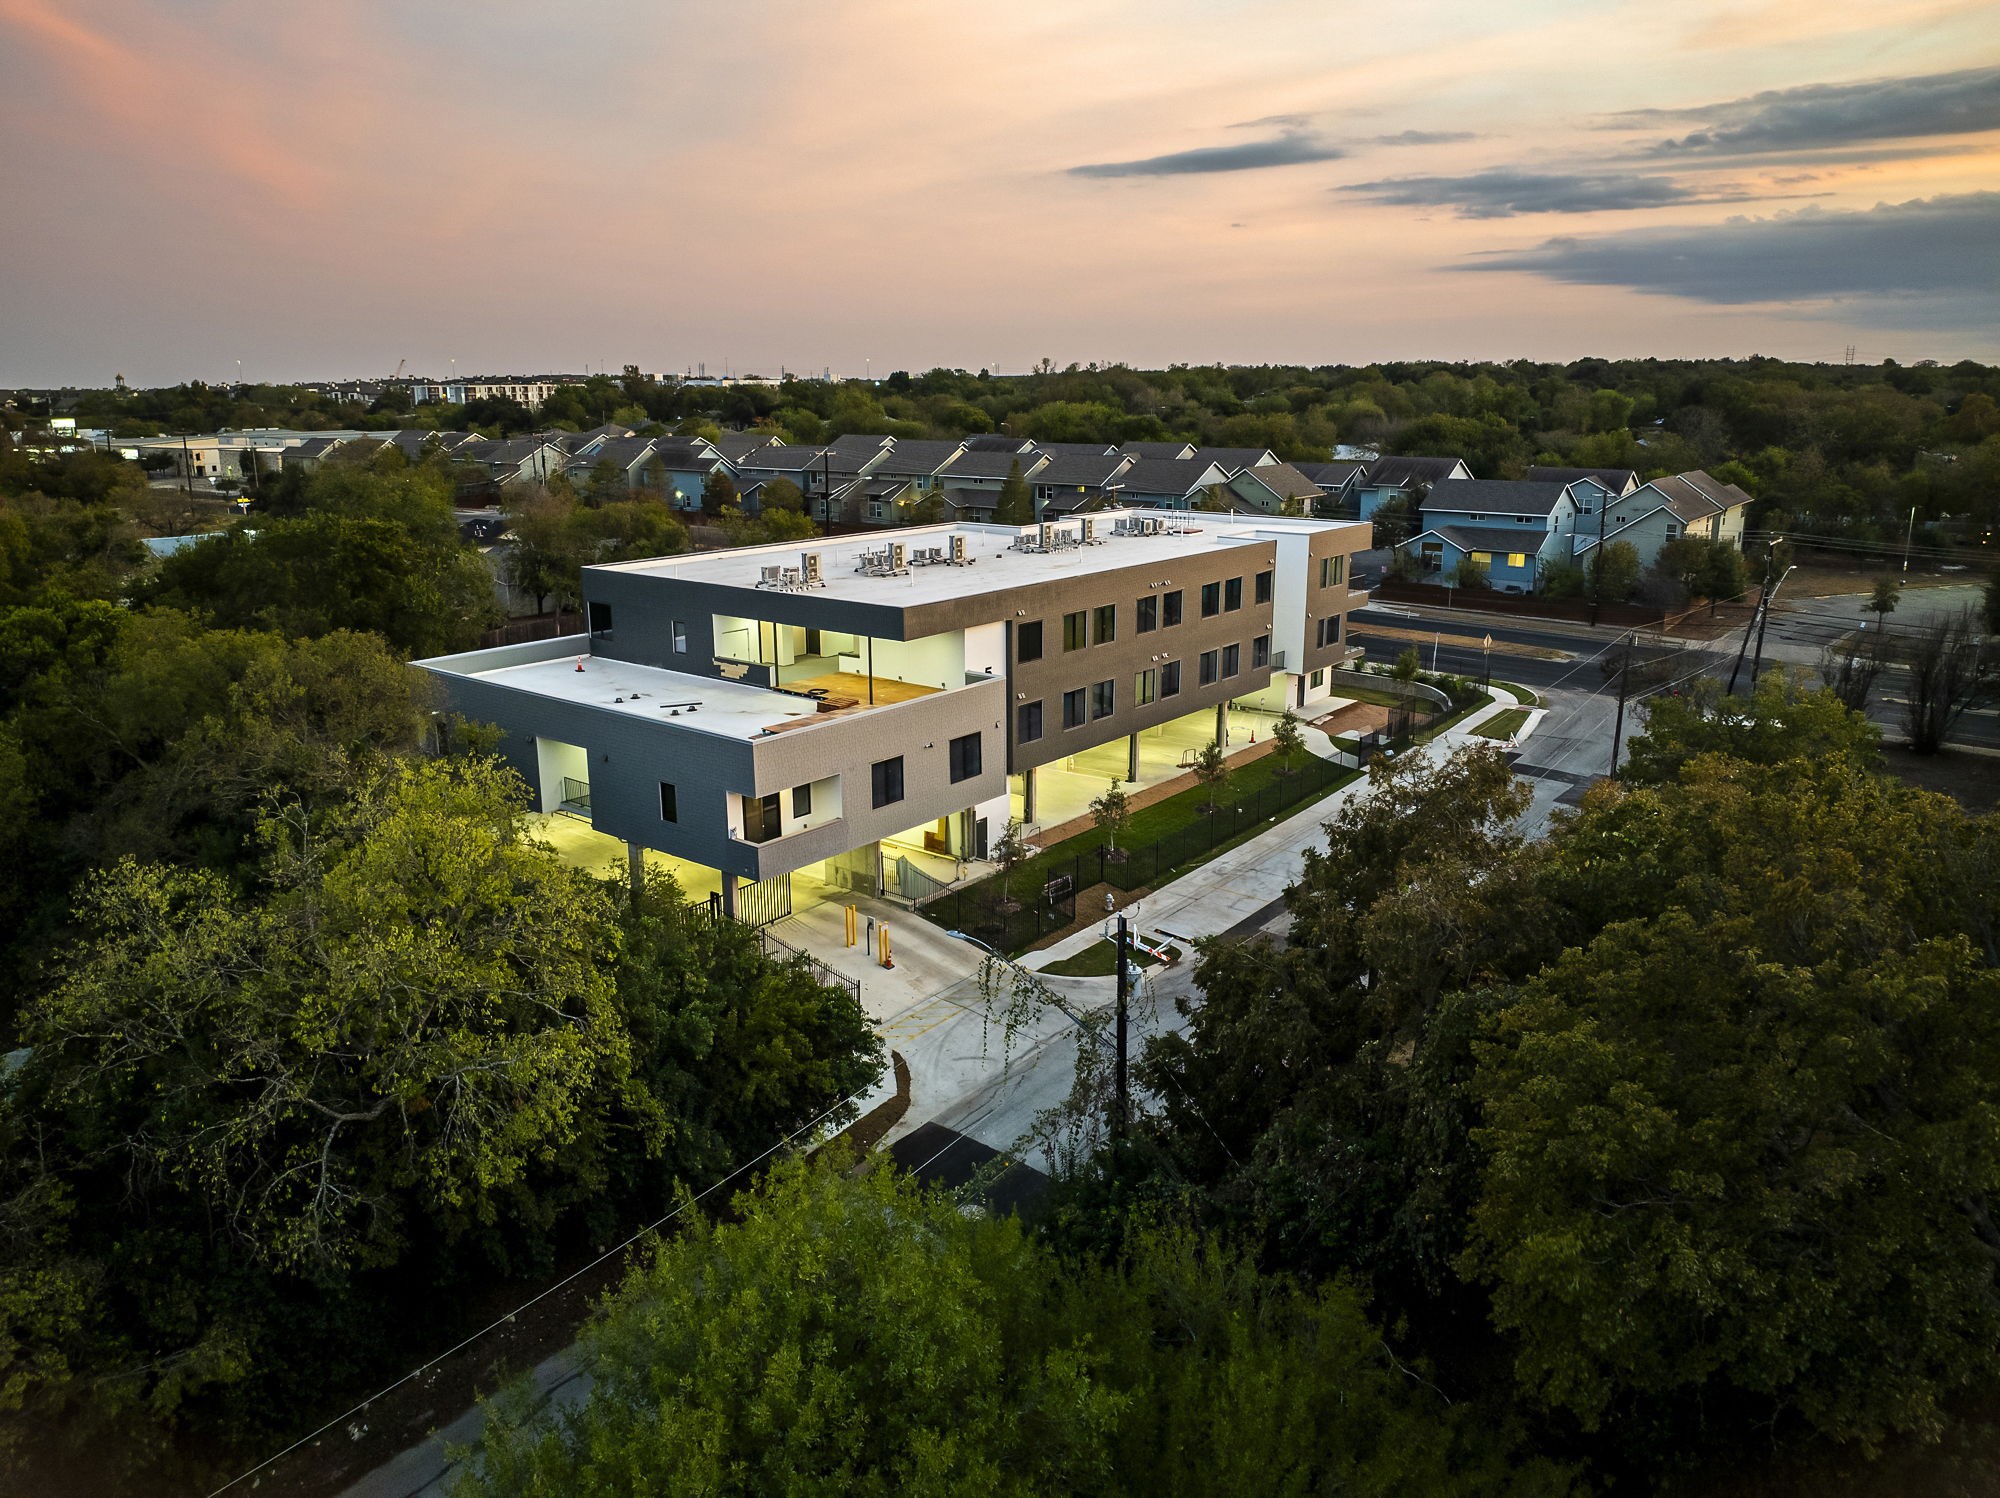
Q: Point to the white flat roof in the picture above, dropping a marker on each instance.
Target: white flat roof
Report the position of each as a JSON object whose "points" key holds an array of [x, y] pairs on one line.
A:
{"points": [[731, 709], [993, 567]]}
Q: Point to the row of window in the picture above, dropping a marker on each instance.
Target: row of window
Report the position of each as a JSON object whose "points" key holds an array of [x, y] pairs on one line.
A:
{"points": [[763, 819], [1099, 626], [1082, 705]]}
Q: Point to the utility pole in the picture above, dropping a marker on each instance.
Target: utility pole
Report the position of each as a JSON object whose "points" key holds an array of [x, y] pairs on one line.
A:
{"points": [[1618, 724], [1757, 659], [1763, 597], [1122, 1115]]}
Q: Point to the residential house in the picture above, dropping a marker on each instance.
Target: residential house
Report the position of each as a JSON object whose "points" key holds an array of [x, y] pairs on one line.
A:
{"points": [[734, 445], [680, 470], [998, 442], [514, 462], [629, 458], [1072, 482], [1168, 450], [1512, 528], [1665, 509], [1168, 483], [808, 467], [1402, 478], [1233, 460], [1274, 489], [972, 480], [1336, 482]]}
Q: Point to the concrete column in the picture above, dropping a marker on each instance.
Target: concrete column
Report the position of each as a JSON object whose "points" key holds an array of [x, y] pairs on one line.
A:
{"points": [[1132, 758], [1028, 796], [729, 895], [1222, 724], [636, 859]]}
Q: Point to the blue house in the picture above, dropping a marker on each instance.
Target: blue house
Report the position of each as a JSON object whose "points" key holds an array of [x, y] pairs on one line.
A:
{"points": [[1401, 477], [1511, 528]]}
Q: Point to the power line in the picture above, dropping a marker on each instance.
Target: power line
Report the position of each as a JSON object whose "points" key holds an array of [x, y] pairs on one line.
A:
{"points": [[542, 1294]]}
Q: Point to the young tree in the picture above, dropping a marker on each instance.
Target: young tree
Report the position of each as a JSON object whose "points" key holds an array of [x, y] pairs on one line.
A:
{"points": [[1010, 852], [1211, 768], [1015, 505], [1470, 575], [781, 494], [1395, 521], [1942, 659], [1290, 738], [1408, 665], [718, 493], [1214, 499], [1724, 575], [1112, 813], [1882, 602], [1614, 572]]}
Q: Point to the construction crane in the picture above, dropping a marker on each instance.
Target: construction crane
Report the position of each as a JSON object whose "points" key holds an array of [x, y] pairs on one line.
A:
{"points": [[399, 369]]}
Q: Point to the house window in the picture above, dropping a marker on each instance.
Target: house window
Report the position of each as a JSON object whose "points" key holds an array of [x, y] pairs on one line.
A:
{"points": [[761, 819], [1332, 570], [670, 807], [887, 775], [1147, 615], [1075, 625], [1170, 609], [600, 619], [1211, 600], [1232, 659], [1319, 677], [1028, 722], [1208, 661], [966, 759], [1170, 679], [1028, 641], [1263, 593], [1517, 559], [1145, 687], [1076, 710], [1104, 699], [1328, 631], [1107, 623], [680, 638], [1260, 652], [1232, 595]]}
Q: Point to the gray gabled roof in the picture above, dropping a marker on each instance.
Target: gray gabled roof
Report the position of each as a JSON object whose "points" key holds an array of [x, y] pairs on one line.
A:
{"points": [[1234, 460], [781, 459], [1620, 481], [691, 453], [1283, 480], [1085, 470], [1076, 449], [918, 457], [621, 452], [992, 465], [860, 444], [733, 445], [1167, 450], [997, 442], [1494, 497], [1335, 476], [1399, 472], [1174, 476]]}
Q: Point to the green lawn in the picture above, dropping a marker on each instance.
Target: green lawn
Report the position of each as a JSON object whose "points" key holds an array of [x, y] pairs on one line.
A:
{"points": [[1369, 694], [1447, 722], [1528, 698], [1503, 725], [1099, 960]]}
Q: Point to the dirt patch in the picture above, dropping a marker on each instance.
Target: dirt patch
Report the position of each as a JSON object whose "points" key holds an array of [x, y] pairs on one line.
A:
{"points": [[1972, 780], [1817, 580], [1355, 718]]}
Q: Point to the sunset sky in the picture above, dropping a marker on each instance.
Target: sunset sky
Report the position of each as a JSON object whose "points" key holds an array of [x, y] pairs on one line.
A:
{"points": [[324, 188]]}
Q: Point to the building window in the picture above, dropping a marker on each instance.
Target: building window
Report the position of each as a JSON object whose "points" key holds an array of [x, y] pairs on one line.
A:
{"points": [[1482, 558], [1332, 570], [1517, 559], [761, 820], [1028, 641], [888, 781], [1232, 595], [1170, 679], [966, 760], [1147, 615], [600, 619], [670, 806], [1211, 600], [802, 800], [1263, 594], [1104, 699], [1232, 659], [1075, 635], [1145, 688], [1319, 677], [1076, 710], [1170, 609], [1328, 631], [1260, 652], [1107, 623], [680, 638], [1028, 722], [1208, 660]]}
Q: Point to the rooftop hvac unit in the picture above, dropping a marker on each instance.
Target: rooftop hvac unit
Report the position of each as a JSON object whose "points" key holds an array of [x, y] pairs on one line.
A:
{"points": [[899, 556], [958, 551], [1045, 534], [1089, 529], [809, 568]]}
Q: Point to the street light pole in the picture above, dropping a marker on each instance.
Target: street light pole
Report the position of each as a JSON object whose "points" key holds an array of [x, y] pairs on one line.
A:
{"points": [[1123, 1114], [1909, 535]]}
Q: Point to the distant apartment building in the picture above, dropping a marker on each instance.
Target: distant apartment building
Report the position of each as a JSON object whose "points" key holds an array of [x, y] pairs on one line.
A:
{"points": [[783, 714], [530, 392]]}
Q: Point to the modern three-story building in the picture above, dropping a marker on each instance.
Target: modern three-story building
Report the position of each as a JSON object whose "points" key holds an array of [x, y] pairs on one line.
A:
{"points": [[781, 710]]}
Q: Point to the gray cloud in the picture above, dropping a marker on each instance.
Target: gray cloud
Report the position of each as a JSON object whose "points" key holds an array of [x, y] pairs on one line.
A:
{"points": [[1925, 263], [1824, 115], [1291, 149], [1422, 138], [1502, 193]]}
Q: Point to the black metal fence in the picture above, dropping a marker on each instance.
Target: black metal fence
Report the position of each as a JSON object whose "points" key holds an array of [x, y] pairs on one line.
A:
{"points": [[1045, 888], [778, 949]]}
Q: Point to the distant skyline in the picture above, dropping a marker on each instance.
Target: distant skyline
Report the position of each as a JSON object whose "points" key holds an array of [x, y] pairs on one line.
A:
{"points": [[323, 190]]}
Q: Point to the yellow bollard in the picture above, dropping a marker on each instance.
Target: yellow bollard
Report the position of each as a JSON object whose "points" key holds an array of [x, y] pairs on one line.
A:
{"points": [[885, 946], [849, 910]]}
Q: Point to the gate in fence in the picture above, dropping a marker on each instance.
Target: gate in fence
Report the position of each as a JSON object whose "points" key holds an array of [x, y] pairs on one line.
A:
{"points": [[765, 901], [914, 884]]}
